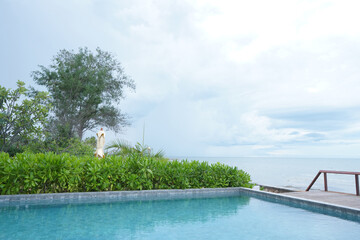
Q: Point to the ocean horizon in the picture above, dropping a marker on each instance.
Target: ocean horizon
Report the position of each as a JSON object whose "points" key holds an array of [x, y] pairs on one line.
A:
{"points": [[290, 172]]}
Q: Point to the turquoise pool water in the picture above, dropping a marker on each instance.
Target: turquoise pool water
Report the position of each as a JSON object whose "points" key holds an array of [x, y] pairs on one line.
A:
{"points": [[234, 217]]}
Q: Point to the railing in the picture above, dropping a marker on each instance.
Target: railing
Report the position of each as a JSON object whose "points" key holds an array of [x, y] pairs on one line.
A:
{"points": [[336, 172]]}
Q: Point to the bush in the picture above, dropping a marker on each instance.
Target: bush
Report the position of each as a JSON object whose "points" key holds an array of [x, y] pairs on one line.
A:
{"points": [[72, 146], [53, 173]]}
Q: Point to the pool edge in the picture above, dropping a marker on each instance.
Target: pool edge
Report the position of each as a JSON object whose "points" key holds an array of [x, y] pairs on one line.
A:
{"points": [[308, 204], [339, 210]]}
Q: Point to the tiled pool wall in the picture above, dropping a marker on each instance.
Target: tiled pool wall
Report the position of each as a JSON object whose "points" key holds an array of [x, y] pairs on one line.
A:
{"points": [[89, 197], [96, 197]]}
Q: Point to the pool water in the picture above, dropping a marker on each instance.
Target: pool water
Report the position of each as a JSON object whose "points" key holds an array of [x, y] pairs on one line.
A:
{"points": [[235, 217]]}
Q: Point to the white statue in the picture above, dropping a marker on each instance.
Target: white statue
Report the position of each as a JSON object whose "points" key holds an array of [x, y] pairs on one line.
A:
{"points": [[100, 144]]}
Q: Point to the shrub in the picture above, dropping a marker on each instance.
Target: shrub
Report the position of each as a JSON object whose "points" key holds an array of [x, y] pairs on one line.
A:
{"points": [[72, 146], [52, 173]]}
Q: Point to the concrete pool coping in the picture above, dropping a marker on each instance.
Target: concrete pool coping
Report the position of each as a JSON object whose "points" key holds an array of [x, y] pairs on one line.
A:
{"points": [[337, 210], [89, 197]]}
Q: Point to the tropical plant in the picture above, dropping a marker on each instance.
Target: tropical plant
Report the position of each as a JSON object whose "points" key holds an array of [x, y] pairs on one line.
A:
{"points": [[22, 117], [122, 147], [51, 173]]}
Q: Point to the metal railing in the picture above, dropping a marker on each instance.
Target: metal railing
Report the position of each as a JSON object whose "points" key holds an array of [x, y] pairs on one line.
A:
{"points": [[325, 172]]}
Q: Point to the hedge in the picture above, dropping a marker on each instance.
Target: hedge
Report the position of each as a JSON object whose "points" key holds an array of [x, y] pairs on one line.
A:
{"points": [[27, 173]]}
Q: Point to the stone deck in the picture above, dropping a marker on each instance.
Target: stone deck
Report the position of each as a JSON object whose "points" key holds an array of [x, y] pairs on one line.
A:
{"points": [[342, 199]]}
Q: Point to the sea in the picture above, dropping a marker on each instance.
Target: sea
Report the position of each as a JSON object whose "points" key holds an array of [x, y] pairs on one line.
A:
{"points": [[293, 173]]}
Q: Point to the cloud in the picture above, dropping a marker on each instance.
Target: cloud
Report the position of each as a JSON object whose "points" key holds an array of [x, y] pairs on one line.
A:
{"points": [[230, 78]]}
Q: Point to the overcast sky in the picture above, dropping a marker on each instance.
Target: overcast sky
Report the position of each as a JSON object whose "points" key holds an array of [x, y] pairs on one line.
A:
{"points": [[214, 78]]}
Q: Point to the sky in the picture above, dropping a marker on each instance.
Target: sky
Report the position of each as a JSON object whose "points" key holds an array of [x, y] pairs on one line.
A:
{"points": [[213, 78]]}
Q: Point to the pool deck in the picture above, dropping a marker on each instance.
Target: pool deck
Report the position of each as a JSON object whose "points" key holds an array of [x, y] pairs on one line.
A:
{"points": [[342, 199]]}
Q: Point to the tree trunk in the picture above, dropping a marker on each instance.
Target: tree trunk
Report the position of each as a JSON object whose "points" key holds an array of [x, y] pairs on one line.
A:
{"points": [[80, 133], [80, 130]]}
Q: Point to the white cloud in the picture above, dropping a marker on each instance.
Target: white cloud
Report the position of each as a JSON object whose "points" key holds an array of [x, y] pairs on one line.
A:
{"points": [[211, 75], [245, 29]]}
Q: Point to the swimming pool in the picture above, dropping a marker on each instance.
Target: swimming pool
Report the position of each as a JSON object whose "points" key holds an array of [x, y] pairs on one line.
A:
{"points": [[228, 215]]}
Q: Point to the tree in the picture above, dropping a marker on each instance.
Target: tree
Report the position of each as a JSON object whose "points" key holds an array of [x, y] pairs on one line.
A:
{"points": [[83, 87], [22, 121]]}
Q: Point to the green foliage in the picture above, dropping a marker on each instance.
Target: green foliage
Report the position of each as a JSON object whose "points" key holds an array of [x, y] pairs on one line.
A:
{"points": [[21, 121], [123, 148], [73, 146], [83, 87], [52, 173]]}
